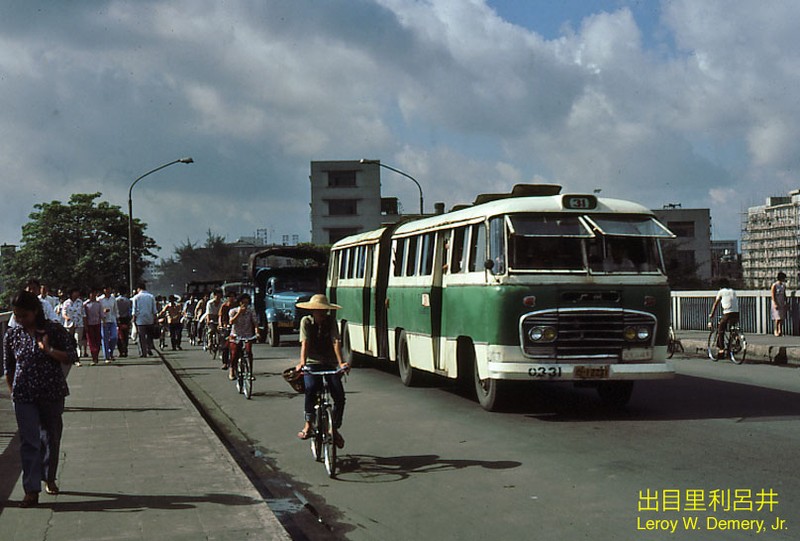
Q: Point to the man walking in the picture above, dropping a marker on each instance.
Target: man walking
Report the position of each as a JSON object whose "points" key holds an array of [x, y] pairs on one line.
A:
{"points": [[144, 316], [123, 323], [109, 315]]}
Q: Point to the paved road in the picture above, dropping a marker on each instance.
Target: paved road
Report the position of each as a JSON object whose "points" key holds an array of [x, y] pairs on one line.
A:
{"points": [[427, 463]]}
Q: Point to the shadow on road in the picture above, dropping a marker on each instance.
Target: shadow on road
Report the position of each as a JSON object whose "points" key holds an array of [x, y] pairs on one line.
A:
{"points": [[682, 398], [73, 409], [102, 501], [375, 469]]}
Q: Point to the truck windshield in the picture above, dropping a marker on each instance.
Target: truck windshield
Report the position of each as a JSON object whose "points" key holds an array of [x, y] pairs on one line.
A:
{"points": [[299, 284]]}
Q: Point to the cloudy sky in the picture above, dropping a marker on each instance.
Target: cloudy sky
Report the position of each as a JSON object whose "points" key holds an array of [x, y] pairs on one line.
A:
{"points": [[684, 101]]}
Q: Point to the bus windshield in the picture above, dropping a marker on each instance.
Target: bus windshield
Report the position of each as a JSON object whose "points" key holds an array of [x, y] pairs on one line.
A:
{"points": [[571, 243]]}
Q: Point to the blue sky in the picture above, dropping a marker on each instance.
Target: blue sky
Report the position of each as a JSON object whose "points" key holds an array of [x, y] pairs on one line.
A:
{"points": [[659, 102]]}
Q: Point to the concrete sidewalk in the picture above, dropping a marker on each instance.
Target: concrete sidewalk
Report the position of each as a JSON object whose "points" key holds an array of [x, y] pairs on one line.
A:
{"points": [[138, 463], [761, 348]]}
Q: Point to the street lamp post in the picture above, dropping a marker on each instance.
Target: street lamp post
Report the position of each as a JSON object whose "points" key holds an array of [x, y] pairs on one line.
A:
{"points": [[399, 172], [130, 215]]}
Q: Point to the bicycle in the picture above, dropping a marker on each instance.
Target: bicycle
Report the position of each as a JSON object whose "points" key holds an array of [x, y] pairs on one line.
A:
{"points": [[222, 338], [734, 340], [242, 360], [673, 344], [212, 340], [323, 445]]}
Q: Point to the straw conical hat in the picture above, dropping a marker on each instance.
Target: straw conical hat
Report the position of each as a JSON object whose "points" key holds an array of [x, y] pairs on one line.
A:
{"points": [[318, 302]]}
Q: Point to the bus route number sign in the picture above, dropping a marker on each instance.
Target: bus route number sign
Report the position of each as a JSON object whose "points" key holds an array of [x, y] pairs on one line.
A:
{"points": [[579, 202]]}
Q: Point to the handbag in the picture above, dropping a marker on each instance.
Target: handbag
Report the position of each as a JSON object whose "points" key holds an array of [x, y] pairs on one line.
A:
{"points": [[295, 379]]}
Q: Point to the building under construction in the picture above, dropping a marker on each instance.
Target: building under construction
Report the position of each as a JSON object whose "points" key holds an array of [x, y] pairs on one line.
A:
{"points": [[771, 241]]}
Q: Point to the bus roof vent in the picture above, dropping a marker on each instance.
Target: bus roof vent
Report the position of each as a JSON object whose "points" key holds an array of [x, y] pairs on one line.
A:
{"points": [[521, 190], [535, 190]]}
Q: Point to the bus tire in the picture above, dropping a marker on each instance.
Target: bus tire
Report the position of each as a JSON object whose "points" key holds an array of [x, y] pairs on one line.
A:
{"points": [[273, 334], [491, 393], [615, 394], [407, 373]]}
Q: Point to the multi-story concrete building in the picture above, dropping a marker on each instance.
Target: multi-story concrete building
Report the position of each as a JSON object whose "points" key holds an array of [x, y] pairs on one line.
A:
{"points": [[771, 240], [690, 252], [346, 199], [726, 261]]}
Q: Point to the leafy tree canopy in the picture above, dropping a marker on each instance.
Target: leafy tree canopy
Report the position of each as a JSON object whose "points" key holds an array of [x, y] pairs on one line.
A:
{"points": [[83, 244]]}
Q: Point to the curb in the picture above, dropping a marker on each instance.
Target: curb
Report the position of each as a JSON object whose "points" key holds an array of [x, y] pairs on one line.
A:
{"points": [[756, 353]]}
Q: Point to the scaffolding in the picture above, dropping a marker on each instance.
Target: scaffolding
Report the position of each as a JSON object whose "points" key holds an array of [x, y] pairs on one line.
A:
{"points": [[771, 241]]}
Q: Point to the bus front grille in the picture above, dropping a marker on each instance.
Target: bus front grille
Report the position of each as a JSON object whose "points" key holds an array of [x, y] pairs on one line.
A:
{"points": [[583, 334]]}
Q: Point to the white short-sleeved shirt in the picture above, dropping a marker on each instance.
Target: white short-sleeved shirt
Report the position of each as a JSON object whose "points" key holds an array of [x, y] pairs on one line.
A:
{"points": [[727, 298]]}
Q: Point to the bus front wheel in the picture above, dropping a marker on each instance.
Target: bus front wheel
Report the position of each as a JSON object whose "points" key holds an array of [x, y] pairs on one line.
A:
{"points": [[490, 392], [407, 375]]}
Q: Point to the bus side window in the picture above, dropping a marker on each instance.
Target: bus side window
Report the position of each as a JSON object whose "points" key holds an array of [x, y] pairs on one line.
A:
{"points": [[497, 244], [426, 261], [343, 265], [399, 250], [477, 249], [458, 245], [411, 259], [361, 260]]}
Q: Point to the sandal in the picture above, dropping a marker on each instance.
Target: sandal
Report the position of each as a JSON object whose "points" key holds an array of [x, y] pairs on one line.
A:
{"points": [[303, 435]]}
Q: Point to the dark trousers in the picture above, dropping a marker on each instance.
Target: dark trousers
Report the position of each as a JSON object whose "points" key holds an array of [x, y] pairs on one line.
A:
{"points": [[731, 318], [145, 339], [175, 331], [40, 427], [123, 334], [313, 383]]}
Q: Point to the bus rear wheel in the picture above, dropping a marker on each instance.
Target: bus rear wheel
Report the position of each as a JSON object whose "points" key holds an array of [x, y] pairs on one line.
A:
{"points": [[407, 374]]}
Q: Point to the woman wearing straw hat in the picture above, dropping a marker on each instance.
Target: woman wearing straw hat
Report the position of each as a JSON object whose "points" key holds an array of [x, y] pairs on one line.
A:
{"points": [[321, 349]]}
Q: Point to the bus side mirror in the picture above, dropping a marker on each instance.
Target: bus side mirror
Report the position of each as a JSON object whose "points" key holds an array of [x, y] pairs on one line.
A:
{"points": [[488, 264]]}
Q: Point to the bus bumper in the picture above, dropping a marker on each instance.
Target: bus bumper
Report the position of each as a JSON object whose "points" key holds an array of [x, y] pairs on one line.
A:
{"points": [[579, 372]]}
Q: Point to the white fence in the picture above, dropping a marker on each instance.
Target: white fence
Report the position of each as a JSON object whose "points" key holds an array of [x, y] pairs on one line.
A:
{"points": [[690, 311]]}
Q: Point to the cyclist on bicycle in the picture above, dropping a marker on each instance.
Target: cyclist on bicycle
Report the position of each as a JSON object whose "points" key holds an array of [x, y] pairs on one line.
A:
{"points": [[244, 323], [189, 308], [321, 349], [224, 324], [730, 313], [211, 316]]}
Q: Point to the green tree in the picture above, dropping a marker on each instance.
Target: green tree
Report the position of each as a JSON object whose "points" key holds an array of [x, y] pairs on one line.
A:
{"points": [[83, 243], [215, 260]]}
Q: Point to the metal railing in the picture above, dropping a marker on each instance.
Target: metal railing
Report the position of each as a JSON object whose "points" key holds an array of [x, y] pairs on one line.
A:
{"points": [[690, 311]]}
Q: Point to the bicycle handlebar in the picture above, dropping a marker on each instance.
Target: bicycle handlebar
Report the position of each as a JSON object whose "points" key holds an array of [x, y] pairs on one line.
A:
{"points": [[323, 372]]}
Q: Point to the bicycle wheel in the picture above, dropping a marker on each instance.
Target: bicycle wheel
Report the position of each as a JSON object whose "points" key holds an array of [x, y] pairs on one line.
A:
{"points": [[240, 373], [316, 440], [248, 376], [712, 345], [214, 345], [737, 347], [329, 447]]}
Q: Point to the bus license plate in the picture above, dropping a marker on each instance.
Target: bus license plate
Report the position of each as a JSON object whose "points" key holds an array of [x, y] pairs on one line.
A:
{"points": [[591, 372]]}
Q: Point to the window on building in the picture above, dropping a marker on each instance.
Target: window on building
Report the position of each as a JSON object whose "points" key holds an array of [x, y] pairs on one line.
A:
{"points": [[342, 207], [342, 179], [682, 229]]}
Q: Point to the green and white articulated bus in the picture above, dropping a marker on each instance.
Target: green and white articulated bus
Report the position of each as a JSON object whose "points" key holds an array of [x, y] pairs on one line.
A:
{"points": [[527, 286]]}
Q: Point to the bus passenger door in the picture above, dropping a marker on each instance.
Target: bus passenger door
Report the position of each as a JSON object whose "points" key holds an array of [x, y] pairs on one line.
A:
{"points": [[436, 297]]}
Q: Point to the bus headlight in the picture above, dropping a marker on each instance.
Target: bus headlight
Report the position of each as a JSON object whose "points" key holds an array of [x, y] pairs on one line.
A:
{"points": [[643, 333], [542, 334], [629, 334]]}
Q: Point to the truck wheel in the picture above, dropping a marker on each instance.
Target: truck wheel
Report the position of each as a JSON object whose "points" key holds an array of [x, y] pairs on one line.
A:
{"points": [[273, 334]]}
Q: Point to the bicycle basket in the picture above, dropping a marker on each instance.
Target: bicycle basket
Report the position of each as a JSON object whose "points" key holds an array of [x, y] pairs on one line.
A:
{"points": [[295, 379]]}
